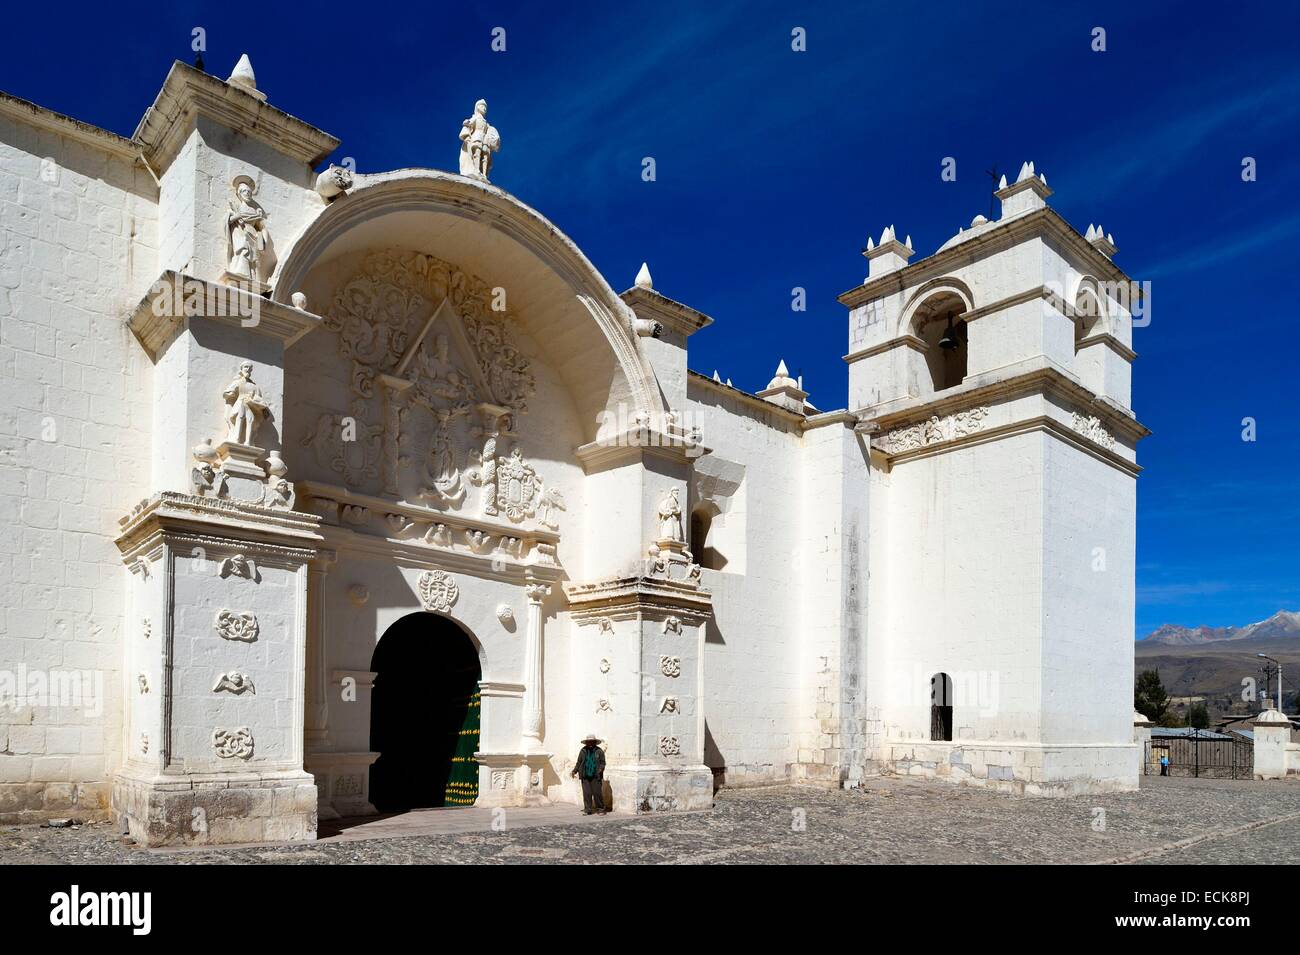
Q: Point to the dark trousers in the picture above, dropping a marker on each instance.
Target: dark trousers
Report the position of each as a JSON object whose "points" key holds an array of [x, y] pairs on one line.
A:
{"points": [[593, 797]]}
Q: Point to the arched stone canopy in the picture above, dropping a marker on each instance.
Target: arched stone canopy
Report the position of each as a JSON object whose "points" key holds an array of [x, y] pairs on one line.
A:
{"points": [[944, 288], [1093, 316], [553, 291]]}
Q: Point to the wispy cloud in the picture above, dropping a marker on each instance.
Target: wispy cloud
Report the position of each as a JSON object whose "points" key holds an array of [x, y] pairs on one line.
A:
{"points": [[1224, 248], [1169, 136]]}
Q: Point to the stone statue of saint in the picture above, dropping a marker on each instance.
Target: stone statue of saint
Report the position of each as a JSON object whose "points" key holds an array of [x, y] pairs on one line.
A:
{"points": [[478, 141], [670, 517], [246, 226], [245, 407]]}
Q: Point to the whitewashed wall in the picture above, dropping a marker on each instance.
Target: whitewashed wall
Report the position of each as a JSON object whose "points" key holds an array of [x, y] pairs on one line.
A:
{"points": [[78, 245]]}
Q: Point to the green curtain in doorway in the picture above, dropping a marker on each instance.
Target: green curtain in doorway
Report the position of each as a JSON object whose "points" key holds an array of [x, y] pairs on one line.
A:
{"points": [[462, 783]]}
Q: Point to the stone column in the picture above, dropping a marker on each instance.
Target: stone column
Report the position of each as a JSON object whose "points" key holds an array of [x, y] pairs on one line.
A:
{"points": [[534, 704], [317, 713]]}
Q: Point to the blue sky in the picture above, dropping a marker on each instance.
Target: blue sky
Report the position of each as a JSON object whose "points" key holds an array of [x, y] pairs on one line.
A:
{"points": [[773, 167]]}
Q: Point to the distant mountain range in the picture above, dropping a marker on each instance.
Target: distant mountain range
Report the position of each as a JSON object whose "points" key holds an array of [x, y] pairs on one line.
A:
{"points": [[1283, 625], [1212, 661]]}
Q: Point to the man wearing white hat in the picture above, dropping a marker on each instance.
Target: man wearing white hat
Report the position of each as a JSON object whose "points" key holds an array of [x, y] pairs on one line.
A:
{"points": [[590, 768]]}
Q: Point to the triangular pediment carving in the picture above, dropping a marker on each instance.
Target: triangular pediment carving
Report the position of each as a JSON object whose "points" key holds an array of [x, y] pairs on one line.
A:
{"points": [[437, 384]]}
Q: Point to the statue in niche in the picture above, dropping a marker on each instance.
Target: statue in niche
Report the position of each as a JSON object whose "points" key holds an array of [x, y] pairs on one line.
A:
{"points": [[245, 407], [246, 227], [443, 472], [670, 518], [478, 141]]}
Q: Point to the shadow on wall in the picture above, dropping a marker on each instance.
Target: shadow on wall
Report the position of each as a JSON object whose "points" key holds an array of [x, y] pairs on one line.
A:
{"points": [[714, 759]]}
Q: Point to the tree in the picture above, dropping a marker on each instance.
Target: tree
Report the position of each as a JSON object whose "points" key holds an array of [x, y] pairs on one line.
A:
{"points": [[1149, 696], [1198, 716]]}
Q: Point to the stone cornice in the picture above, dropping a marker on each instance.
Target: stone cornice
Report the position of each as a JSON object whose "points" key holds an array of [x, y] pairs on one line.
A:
{"points": [[418, 513], [188, 93], [1025, 377], [1042, 423], [492, 565], [24, 111], [1111, 342], [1045, 221], [226, 523], [680, 318], [175, 299], [634, 445], [902, 341], [632, 595]]}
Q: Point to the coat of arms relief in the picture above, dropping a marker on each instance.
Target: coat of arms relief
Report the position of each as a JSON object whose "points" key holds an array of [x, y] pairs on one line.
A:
{"points": [[437, 384]]}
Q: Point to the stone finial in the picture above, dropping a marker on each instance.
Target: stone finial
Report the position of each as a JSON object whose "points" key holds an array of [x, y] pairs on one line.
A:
{"points": [[1101, 240], [715, 376], [643, 279], [479, 139], [242, 77], [782, 377], [784, 391], [889, 256], [1027, 193]]}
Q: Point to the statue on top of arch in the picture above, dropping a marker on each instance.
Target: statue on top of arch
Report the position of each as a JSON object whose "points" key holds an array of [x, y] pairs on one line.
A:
{"points": [[479, 139]]}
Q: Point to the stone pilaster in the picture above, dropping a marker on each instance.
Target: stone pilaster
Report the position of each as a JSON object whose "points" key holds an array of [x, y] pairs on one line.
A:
{"points": [[646, 633], [534, 703], [218, 561]]}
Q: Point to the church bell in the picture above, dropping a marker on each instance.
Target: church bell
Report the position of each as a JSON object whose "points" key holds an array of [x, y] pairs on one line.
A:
{"points": [[951, 336]]}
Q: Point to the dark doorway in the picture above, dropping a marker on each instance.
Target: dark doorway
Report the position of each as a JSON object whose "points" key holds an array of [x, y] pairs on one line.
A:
{"points": [[424, 716], [941, 707]]}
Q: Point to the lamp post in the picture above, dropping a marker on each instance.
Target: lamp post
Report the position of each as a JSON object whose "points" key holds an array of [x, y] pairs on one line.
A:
{"points": [[1279, 677]]}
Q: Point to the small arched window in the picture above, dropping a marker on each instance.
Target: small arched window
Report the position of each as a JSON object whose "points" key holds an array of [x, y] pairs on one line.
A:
{"points": [[941, 707], [1089, 315]]}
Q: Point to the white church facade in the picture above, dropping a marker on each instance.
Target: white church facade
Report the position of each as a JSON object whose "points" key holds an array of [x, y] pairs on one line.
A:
{"points": [[340, 493]]}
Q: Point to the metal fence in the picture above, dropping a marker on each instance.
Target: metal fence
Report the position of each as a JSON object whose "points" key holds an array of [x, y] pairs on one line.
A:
{"points": [[1209, 755]]}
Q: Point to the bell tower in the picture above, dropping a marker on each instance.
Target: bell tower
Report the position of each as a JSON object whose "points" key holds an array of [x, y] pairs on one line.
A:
{"points": [[991, 380]]}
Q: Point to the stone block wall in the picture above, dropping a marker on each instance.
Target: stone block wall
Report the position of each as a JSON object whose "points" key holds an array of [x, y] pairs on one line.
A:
{"points": [[77, 247]]}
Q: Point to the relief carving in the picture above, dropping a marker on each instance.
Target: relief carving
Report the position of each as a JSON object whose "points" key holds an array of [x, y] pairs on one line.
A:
{"points": [[1090, 427], [238, 566], [231, 625], [390, 323], [438, 592], [234, 682], [233, 743], [670, 746], [672, 625], [670, 666], [934, 431]]}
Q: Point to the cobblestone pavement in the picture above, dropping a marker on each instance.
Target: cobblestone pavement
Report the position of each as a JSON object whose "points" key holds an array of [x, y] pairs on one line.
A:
{"points": [[889, 821]]}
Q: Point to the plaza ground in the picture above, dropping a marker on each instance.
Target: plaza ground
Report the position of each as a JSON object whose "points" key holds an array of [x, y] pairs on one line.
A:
{"points": [[890, 820]]}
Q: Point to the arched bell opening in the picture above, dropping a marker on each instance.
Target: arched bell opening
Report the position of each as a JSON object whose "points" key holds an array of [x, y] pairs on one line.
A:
{"points": [[938, 324]]}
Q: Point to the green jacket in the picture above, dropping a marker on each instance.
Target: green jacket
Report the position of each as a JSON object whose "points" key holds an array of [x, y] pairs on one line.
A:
{"points": [[580, 767]]}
